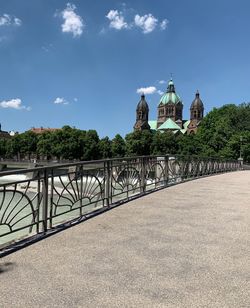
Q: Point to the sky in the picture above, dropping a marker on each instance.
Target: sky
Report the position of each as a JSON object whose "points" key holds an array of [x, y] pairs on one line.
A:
{"points": [[84, 63]]}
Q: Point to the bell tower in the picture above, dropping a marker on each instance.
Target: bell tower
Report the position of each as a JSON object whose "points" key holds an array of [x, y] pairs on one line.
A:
{"points": [[170, 106], [196, 114], [142, 111]]}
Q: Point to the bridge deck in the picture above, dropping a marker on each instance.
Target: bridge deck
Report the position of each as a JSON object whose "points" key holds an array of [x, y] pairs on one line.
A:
{"points": [[184, 246]]}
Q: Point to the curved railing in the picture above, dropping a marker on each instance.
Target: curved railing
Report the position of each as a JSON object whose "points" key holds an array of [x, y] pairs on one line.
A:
{"points": [[36, 201]]}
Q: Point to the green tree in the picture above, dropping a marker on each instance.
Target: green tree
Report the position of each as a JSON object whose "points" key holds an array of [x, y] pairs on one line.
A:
{"points": [[91, 146], [105, 148], [118, 146], [3, 148], [163, 143], [139, 143], [44, 145]]}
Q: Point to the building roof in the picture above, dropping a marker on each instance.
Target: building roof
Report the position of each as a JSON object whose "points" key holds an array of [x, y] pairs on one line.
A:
{"points": [[153, 124], [4, 134], [142, 105], [197, 102], [40, 130], [170, 97], [169, 124], [183, 131], [186, 123]]}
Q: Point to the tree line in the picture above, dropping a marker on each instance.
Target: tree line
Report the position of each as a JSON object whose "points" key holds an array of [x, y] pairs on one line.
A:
{"points": [[219, 134]]}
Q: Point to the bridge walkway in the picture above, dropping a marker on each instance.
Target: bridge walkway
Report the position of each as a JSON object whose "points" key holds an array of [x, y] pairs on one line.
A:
{"points": [[184, 246]]}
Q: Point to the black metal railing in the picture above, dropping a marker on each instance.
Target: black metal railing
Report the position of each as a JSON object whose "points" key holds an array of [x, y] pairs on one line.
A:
{"points": [[36, 201]]}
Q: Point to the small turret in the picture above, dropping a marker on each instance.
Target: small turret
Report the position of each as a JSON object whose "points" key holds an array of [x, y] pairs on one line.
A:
{"points": [[142, 111], [196, 114], [171, 88], [197, 108]]}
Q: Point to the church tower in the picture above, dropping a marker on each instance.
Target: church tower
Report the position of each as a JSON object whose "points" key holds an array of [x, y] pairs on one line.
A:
{"points": [[170, 106], [196, 114], [142, 111]]}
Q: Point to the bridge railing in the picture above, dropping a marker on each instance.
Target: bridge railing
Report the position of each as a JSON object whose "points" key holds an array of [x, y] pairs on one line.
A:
{"points": [[37, 201]]}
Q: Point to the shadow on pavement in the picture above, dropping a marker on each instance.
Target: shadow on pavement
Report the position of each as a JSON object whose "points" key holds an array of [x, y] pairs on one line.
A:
{"points": [[6, 266]]}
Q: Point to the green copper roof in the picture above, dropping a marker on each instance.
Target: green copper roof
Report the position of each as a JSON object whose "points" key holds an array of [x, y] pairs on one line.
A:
{"points": [[170, 97], [186, 124], [169, 124], [153, 124]]}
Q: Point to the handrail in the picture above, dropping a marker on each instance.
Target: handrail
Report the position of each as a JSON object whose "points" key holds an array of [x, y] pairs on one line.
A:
{"points": [[36, 200]]}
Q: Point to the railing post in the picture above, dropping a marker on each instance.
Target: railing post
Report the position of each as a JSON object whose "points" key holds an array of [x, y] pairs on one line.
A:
{"points": [[143, 176], [107, 174], [166, 171], [45, 194]]}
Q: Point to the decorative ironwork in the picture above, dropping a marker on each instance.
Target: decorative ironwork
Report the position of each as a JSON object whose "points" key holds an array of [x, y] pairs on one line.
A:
{"points": [[19, 207], [38, 199], [155, 172], [76, 192]]}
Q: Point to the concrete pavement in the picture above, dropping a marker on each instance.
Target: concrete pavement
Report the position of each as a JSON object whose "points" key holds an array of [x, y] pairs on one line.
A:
{"points": [[184, 246]]}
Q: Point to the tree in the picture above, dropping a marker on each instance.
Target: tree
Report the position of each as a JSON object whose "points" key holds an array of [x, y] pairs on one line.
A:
{"points": [[91, 146], [139, 143], [163, 143], [118, 146], [3, 147], [44, 145], [105, 148]]}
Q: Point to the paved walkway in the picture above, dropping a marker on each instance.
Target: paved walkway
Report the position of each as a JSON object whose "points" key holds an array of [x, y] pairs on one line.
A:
{"points": [[185, 246]]}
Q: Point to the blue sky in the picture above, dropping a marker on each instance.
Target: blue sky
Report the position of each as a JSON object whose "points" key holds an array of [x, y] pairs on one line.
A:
{"points": [[81, 63]]}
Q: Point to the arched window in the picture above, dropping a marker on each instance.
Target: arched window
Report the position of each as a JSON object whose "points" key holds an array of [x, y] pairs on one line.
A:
{"points": [[161, 112]]}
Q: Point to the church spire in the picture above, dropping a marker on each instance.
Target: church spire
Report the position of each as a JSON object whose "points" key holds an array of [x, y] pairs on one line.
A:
{"points": [[142, 111], [171, 88]]}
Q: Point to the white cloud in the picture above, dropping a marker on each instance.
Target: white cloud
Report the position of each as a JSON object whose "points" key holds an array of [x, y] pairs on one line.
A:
{"points": [[73, 23], [117, 20], [162, 82], [17, 21], [147, 22], [15, 103], [164, 24], [8, 20], [75, 99], [147, 90], [61, 101], [160, 92]]}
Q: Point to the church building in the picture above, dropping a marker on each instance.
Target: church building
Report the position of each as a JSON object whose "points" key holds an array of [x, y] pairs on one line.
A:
{"points": [[170, 113]]}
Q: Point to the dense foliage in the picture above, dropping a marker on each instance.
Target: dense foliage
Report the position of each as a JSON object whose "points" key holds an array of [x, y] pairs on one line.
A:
{"points": [[219, 135]]}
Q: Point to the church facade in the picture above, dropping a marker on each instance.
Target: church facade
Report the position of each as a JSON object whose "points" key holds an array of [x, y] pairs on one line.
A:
{"points": [[170, 113]]}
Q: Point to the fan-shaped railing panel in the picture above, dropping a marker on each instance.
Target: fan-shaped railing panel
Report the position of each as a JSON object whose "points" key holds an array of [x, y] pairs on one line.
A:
{"points": [[36, 201]]}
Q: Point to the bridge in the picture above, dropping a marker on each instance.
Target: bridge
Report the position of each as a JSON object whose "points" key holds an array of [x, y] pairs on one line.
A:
{"points": [[183, 246]]}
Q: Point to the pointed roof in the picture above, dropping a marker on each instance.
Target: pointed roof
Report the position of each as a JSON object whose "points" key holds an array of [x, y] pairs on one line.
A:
{"points": [[142, 105], [169, 124], [153, 124], [170, 97], [197, 102], [185, 125], [171, 88]]}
